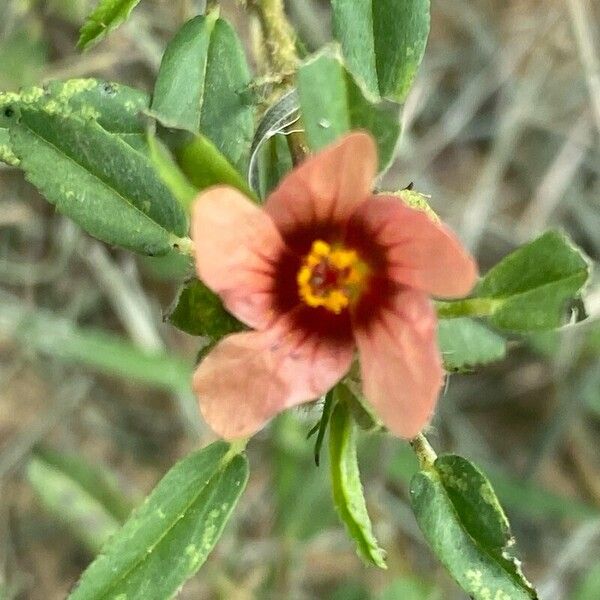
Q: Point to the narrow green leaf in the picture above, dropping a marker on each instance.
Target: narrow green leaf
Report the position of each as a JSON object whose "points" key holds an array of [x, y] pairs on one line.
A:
{"points": [[203, 164], [461, 518], [198, 311], [59, 339], [200, 87], [322, 425], [383, 42], [67, 497], [332, 104], [168, 538], [346, 486], [170, 173], [465, 343], [106, 17], [98, 180], [533, 285]]}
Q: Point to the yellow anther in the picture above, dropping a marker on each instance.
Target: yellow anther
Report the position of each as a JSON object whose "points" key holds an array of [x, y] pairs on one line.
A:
{"points": [[330, 277]]}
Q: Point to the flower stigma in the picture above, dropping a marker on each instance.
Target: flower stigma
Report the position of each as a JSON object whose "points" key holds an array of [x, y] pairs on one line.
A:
{"points": [[330, 276]]}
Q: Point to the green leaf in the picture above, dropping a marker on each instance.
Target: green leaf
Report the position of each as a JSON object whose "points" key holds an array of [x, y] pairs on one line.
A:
{"points": [[83, 496], [525, 498], [170, 173], [199, 311], [106, 17], [117, 108], [98, 180], [332, 104], [171, 534], [463, 522], [60, 339], [383, 42], [465, 343], [200, 87], [532, 286], [346, 486], [202, 163]]}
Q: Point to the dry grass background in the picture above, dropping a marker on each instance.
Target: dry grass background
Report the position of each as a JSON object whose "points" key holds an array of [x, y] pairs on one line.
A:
{"points": [[502, 129]]}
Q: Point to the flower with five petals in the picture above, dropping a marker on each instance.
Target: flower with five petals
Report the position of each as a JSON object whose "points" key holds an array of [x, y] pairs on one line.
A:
{"points": [[323, 268]]}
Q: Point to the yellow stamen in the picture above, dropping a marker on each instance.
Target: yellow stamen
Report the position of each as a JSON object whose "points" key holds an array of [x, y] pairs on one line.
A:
{"points": [[330, 277]]}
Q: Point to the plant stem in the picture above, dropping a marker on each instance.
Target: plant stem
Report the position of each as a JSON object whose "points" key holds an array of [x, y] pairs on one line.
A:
{"points": [[279, 37], [281, 47], [471, 307], [183, 245], [425, 453]]}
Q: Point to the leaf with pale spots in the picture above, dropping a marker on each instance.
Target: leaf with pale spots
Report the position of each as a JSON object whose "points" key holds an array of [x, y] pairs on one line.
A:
{"points": [[115, 107], [98, 180], [168, 538], [465, 525]]}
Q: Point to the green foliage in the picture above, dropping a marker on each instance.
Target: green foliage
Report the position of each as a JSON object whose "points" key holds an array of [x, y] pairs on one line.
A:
{"points": [[346, 486], [170, 535], [273, 164], [203, 164], [98, 180], [383, 42], [199, 311], [59, 339], [465, 343], [464, 524], [200, 83], [332, 104], [106, 17], [83, 496], [170, 173], [117, 108], [533, 285]]}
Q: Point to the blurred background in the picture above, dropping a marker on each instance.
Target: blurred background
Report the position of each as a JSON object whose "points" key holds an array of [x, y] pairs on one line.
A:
{"points": [[502, 130]]}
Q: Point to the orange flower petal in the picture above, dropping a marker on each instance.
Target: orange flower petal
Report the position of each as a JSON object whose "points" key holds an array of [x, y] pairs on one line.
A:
{"points": [[250, 377], [327, 187], [400, 363], [237, 247], [422, 254]]}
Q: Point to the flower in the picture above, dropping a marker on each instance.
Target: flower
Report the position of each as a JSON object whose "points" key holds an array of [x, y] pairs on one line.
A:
{"points": [[323, 268]]}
